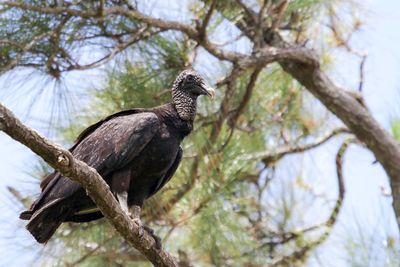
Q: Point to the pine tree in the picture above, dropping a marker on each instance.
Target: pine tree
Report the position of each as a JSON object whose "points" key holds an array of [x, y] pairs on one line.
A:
{"points": [[239, 197]]}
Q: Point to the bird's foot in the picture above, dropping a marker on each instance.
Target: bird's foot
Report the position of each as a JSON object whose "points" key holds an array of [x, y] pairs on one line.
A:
{"points": [[143, 227], [155, 237], [139, 223]]}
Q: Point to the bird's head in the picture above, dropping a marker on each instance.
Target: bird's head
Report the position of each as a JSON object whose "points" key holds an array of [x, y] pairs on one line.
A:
{"points": [[190, 83], [186, 88]]}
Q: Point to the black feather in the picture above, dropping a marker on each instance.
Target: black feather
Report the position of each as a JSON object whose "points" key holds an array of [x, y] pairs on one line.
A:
{"points": [[136, 151]]}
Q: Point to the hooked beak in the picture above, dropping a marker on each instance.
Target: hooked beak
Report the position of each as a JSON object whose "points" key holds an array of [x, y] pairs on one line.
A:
{"points": [[209, 91]]}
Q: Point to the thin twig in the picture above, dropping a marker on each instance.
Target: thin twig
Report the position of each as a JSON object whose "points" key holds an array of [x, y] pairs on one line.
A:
{"points": [[272, 155], [361, 82], [299, 255], [245, 100]]}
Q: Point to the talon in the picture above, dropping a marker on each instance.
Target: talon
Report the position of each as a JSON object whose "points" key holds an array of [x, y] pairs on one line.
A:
{"points": [[141, 232], [135, 215], [139, 223], [148, 229], [158, 242], [155, 237]]}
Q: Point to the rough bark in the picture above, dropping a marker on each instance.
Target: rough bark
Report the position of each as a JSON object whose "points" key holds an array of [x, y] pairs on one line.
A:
{"points": [[303, 65], [357, 118], [63, 161], [269, 46]]}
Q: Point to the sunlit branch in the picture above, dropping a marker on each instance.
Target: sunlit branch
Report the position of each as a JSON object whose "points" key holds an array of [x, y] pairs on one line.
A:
{"points": [[63, 161]]}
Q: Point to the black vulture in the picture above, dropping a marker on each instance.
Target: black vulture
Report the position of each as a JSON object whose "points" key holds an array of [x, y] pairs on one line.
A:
{"points": [[136, 151]]}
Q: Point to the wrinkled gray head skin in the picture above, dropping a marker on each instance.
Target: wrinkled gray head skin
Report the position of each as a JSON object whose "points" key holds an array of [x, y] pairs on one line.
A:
{"points": [[185, 90]]}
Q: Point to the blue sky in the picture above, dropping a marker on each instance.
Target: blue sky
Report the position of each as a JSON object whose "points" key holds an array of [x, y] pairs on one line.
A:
{"points": [[364, 204]]}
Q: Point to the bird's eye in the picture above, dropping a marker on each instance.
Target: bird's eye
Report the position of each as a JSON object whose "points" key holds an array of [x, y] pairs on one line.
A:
{"points": [[190, 78]]}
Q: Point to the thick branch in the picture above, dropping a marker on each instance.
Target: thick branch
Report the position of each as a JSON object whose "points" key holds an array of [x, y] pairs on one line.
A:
{"points": [[261, 58], [299, 62], [63, 161], [343, 104], [385, 148]]}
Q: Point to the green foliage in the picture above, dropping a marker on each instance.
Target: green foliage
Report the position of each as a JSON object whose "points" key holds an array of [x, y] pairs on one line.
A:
{"points": [[53, 43], [218, 209], [396, 128], [142, 83], [212, 214]]}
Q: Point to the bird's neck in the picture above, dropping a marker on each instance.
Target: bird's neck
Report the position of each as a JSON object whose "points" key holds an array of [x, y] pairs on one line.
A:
{"points": [[171, 117], [186, 106]]}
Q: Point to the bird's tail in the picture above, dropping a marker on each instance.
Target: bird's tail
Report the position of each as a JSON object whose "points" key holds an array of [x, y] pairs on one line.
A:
{"points": [[44, 222]]}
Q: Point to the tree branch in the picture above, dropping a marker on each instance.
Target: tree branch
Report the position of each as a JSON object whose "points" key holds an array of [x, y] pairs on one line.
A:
{"points": [[232, 120], [246, 97], [270, 156], [385, 148], [63, 161], [300, 254], [24, 49], [140, 35], [303, 65], [57, 10]]}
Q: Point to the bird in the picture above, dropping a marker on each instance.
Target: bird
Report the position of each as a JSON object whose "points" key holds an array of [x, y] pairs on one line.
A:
{"points": [[136, 151]]}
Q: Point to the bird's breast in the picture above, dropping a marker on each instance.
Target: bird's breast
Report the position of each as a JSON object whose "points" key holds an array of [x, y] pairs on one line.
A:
{"points": [[159, 154]]}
